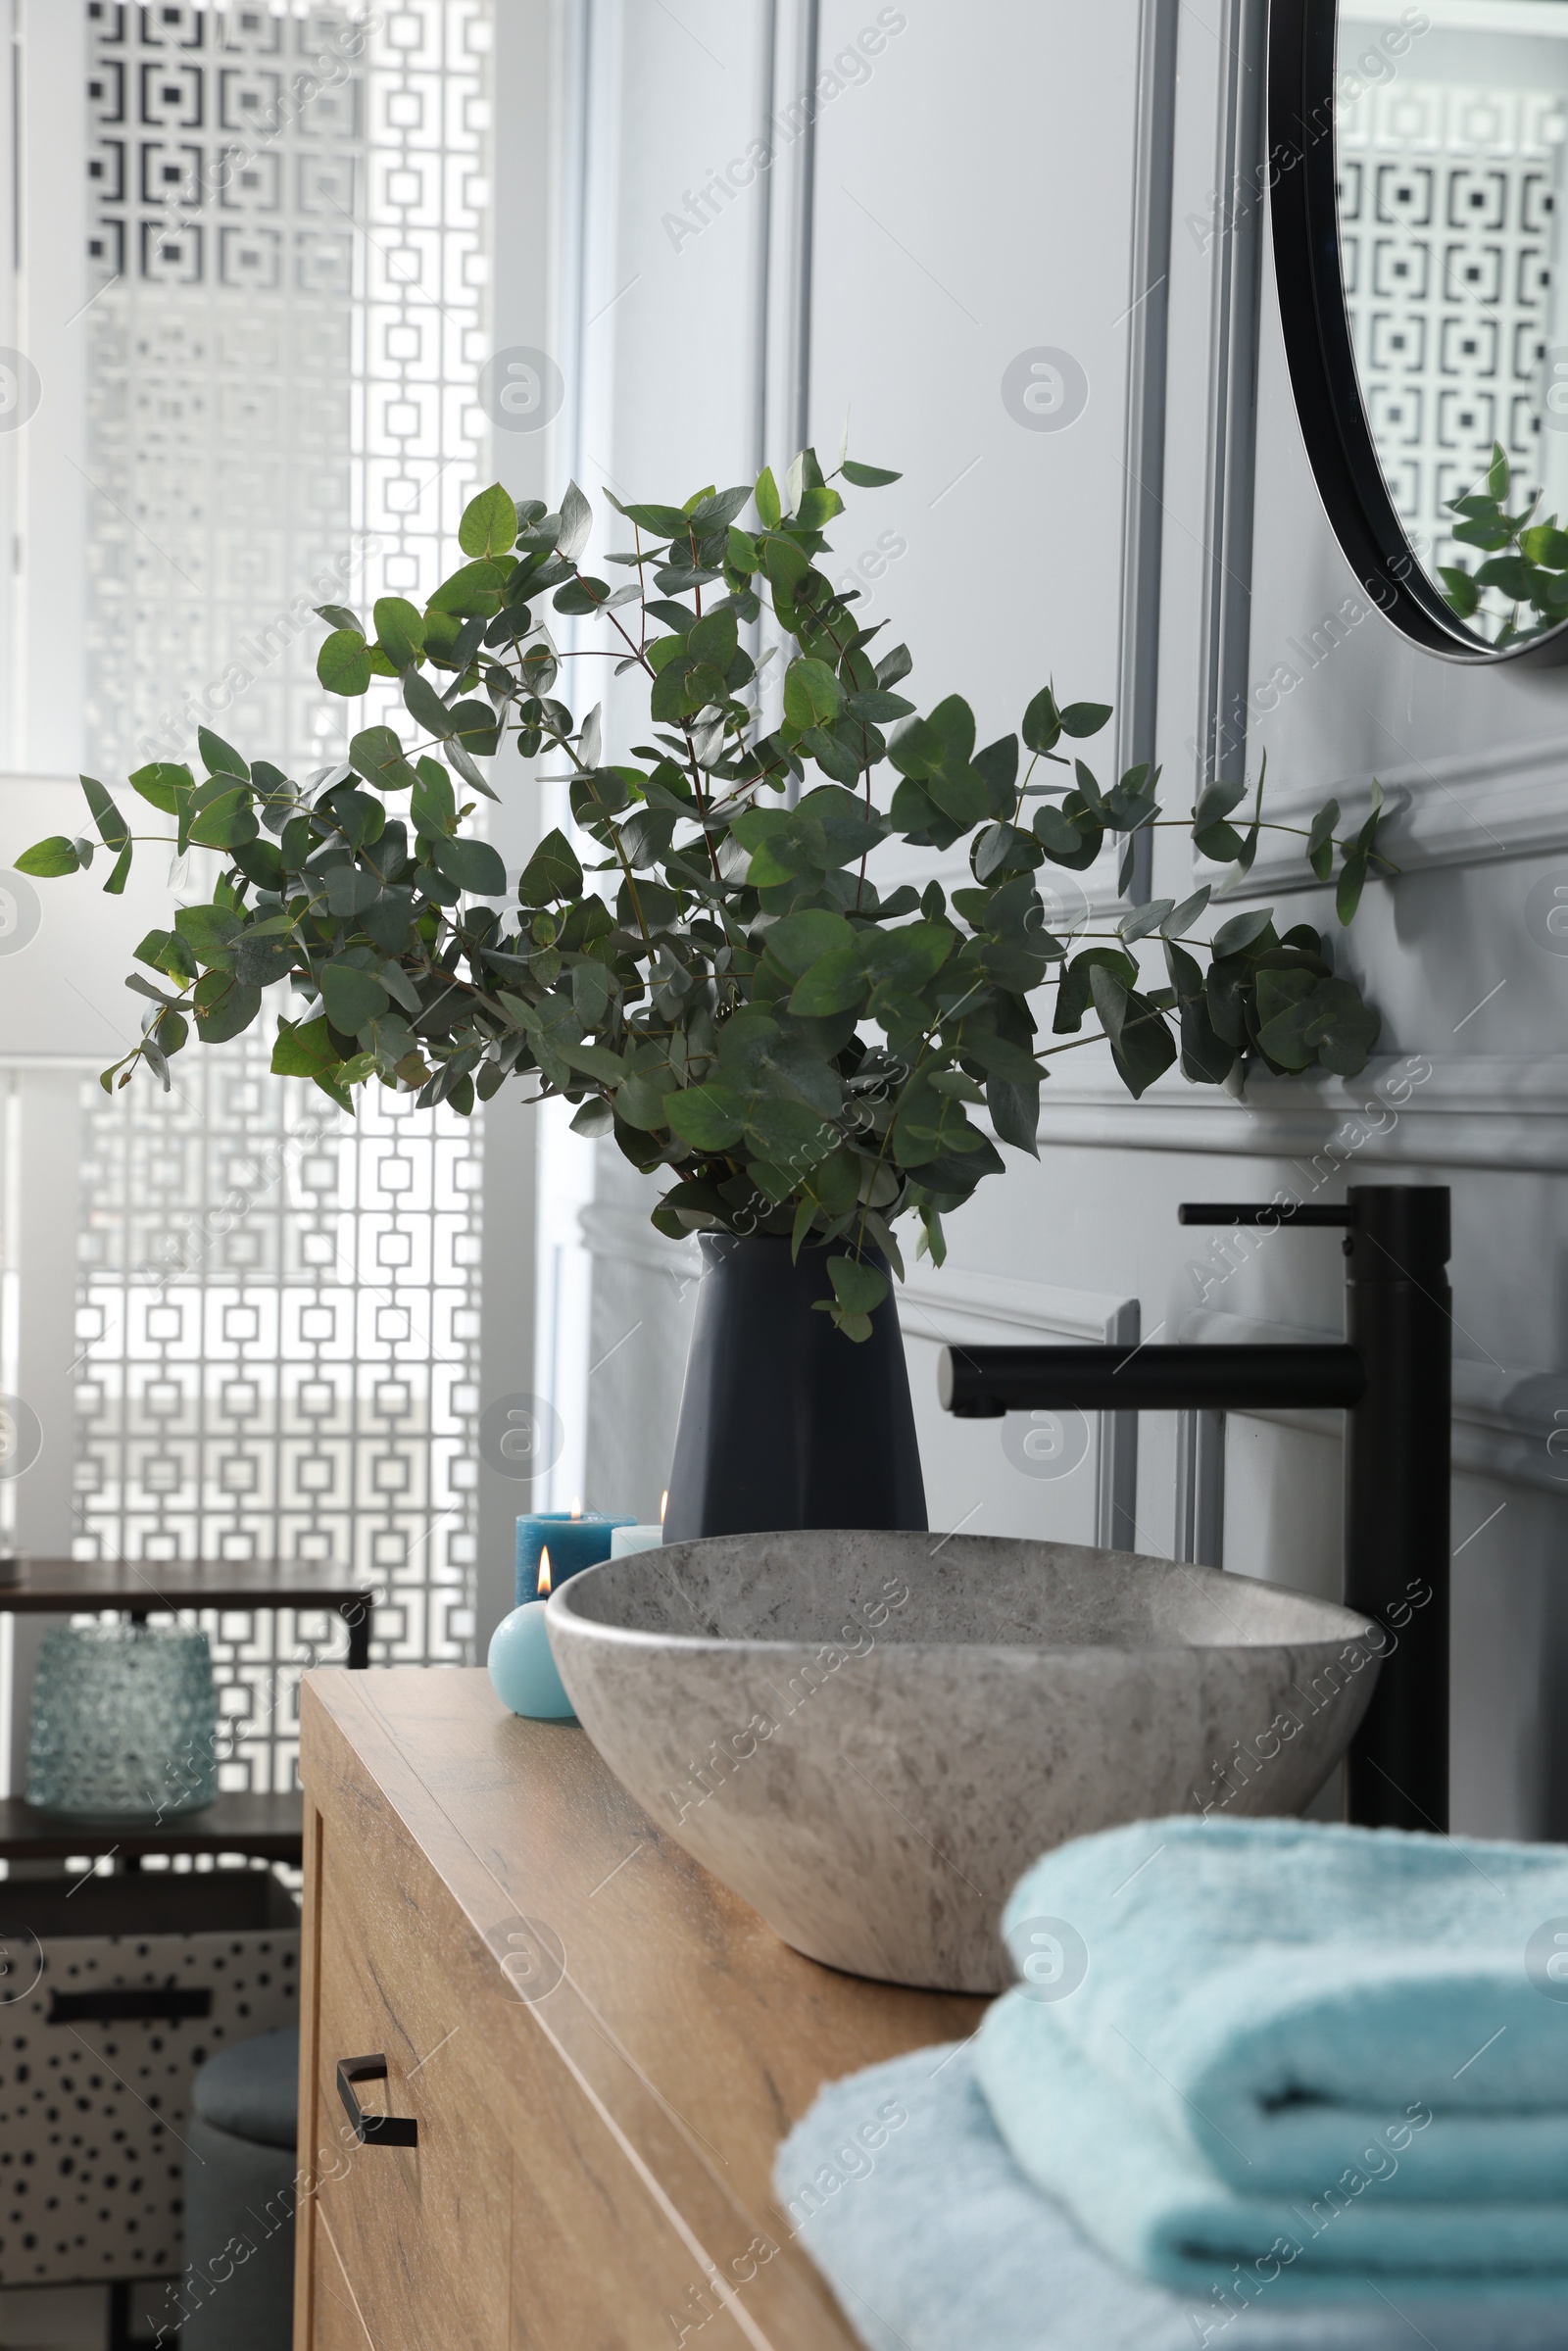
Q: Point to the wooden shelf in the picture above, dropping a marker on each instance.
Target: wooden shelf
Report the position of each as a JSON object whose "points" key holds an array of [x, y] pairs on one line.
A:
{"points": [[161, 1586], [266, 1827], [156, 1586]]}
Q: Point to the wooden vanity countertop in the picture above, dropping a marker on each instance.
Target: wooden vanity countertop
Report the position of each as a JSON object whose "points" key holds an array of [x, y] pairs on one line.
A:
{"points": [[693, 2031]]}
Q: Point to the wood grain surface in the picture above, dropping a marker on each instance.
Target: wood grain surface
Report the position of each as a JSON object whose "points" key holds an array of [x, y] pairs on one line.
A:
{"points": [[602, 2046]]}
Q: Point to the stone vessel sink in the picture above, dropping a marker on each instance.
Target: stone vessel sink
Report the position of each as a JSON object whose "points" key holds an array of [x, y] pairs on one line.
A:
{"points": [[870, 1736]]}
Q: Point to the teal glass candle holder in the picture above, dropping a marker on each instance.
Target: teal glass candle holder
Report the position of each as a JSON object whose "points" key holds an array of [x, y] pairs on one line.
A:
{"points": [[124, 1723]]}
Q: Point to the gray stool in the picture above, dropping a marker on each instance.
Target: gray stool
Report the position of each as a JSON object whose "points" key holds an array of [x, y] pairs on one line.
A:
{"points": [[240, 2192]]}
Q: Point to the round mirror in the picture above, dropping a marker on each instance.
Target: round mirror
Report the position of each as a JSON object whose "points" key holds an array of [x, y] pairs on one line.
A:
{"points": [[1416, 161]]}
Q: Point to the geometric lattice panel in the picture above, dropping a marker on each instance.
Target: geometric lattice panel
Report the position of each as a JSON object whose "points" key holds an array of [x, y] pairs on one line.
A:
{"points": [[227, 172], [1448, 196], [289, 234], [421, 320], [278, 1335]]}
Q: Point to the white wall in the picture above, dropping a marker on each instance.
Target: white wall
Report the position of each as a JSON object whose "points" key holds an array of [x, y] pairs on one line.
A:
{"points": [[993, 183]]}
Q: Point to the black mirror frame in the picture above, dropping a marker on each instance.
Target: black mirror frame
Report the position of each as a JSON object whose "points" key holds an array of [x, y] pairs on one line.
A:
{"points": [[1301, 172]]}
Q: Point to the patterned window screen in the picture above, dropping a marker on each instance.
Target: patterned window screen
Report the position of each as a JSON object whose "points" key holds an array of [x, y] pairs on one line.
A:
{"points": [[1448, 194], [279, 1309]]}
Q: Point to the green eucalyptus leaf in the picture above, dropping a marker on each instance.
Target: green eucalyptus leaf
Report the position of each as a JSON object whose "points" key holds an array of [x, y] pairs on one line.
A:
{"points": [[713, 638], [1075, 990], [472, 865], [353, 997], [799, 940], [463, 760], [262, 959], [1241, 932], [378, 755], [399, 630], [1183, 917], [1042, 723], [220, 815], [224, 1007], [1320, 840], [857, 1285], [712, 1118], [1141, 1045], [425, 707], [813, 695], [220, 757], [1015, 1113], [789, 1134], [489, 524], [112, 830], [1352, 882], [770, 513], [837, 982], [304, 1049], [1285, 1015], [1460, 590], [594, 1060], [576, 522], [163, 784], [343, 664], [552, 873], [472, 593], [1084, 717], [209, 932], [1144, 919]]}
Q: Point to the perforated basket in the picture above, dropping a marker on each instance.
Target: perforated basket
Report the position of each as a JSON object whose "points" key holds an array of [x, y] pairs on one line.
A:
{"points": [[138, 1980]]}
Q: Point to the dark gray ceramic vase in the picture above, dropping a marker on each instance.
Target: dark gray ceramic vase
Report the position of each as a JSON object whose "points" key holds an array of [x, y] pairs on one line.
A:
{"points": [[784, 1421]]}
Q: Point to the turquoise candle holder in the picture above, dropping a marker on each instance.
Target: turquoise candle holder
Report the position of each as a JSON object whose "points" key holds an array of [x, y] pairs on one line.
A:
{"points": [[523, 1671], [573, 1543]]}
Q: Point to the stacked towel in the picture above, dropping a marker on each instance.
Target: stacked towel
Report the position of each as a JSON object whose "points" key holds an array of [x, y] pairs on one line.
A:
{"points": [[1298, 2057], [933, 2240]]}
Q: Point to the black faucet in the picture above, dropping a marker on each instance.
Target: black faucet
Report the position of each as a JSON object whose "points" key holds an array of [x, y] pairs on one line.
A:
{"points": [[1392, 1374]]}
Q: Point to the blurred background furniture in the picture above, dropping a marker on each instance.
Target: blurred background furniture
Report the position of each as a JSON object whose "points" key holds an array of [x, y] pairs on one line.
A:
{"points": [[240, 2194], [263, 1827]]}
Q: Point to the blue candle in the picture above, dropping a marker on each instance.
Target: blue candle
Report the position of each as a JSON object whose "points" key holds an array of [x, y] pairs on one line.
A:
{"points": [[523, 1671], [577, 1538]]}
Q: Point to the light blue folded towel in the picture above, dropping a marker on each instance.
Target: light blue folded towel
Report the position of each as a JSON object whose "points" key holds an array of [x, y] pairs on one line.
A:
{"points": [[1153, 2203], [933, 2240], [1282, 1994]]}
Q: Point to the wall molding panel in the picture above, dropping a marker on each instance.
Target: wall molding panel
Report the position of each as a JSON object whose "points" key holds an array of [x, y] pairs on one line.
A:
{"points": [[1468, 1111], [1468, 807], [1510, 1425], [1235, 282], [1143, 507]]}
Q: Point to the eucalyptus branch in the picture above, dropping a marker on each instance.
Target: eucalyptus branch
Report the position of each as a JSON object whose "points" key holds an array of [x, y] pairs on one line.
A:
{"points": [[760, 1026]]}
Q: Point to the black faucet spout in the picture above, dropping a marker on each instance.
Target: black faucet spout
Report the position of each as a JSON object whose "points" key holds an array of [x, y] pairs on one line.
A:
{"points": [[980, 1383], [1393, 1377]]}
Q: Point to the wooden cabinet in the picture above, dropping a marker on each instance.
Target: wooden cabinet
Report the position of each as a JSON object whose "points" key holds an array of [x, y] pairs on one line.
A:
{"points": [[599, 2049]]}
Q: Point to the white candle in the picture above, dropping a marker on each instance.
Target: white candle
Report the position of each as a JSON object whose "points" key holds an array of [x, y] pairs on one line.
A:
{"points": [[627, 1539]]}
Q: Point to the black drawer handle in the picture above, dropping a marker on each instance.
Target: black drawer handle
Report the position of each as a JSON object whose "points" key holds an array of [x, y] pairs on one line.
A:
{"points": [[373, 2129]]}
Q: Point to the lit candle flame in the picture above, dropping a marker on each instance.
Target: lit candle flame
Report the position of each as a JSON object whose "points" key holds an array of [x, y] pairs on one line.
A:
{"points": [[576, 1507], [544, 1575], [664, 1504]]}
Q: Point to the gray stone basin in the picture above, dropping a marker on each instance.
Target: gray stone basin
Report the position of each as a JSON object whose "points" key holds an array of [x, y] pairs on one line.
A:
{"points": [[870, 1736]]}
